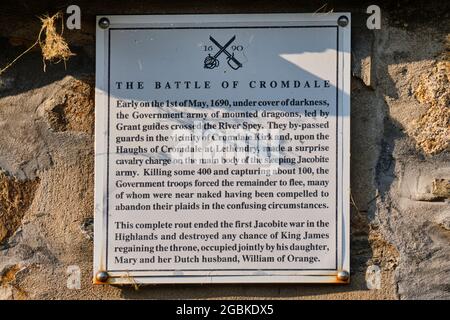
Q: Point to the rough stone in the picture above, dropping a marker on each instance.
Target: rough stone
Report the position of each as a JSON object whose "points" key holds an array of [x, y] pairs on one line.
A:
{"points": [[46, 143]]}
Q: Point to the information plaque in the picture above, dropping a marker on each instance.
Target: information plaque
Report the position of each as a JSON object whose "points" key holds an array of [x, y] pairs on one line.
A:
{"points": [[222, 148]]}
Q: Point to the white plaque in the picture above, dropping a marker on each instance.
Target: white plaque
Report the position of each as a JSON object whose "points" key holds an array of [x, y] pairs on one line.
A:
{"points": [[222, 148]]}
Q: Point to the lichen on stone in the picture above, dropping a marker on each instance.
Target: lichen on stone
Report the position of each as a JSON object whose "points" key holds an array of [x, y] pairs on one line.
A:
{"points": [[15, 197], [72, 107], [8, 289], [432, 130], [441, 188]]}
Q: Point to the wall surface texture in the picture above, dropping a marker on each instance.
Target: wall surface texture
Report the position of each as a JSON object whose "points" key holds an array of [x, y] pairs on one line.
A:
{"points": [[400, 164]]}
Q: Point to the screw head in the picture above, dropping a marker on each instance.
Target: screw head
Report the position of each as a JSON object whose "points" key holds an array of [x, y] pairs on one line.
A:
{"points": [[342, 21], [103, 23], [343, 275], [102, 276]]}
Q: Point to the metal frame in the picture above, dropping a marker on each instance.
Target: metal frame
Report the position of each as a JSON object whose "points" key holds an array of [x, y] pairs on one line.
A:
{"points": [[341, 274]]}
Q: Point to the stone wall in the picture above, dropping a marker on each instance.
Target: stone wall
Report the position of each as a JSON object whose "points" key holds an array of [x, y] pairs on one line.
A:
{"points": [[400, 164]]}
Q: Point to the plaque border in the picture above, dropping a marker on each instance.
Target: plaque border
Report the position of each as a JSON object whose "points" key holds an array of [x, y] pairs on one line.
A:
{"points": [[102, 93]]}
